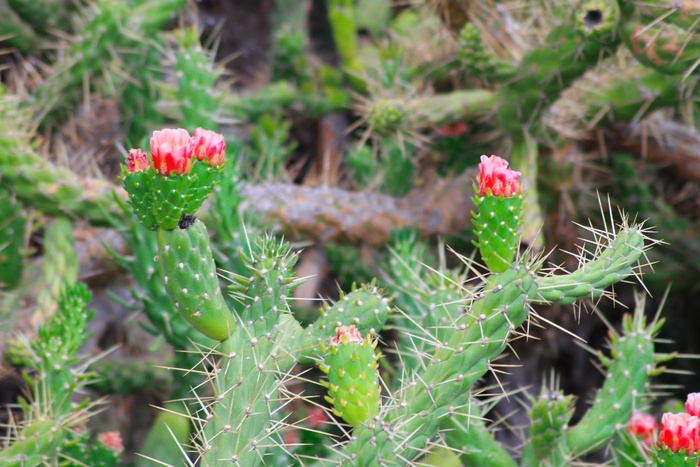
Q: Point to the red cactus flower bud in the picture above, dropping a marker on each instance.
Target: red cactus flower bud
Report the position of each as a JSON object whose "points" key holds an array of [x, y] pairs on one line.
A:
{"points": [[680, 431], [210, 146], [172, 151], [453, 130], [494, 175], [346, 334], [317, 417], [692, 404], [111, 440], [136, 161], [644, 426]]}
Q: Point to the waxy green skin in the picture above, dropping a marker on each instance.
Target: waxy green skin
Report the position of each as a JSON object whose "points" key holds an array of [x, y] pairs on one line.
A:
{"points": [[353, 380], [187, 267], [496, 225]]}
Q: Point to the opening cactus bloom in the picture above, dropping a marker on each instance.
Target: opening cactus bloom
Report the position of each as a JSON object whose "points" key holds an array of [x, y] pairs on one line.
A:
{"points": [[209, 145], [496, 177], [172, 151], [136, 161], [643, 426], [692, 404], [680, 431]]}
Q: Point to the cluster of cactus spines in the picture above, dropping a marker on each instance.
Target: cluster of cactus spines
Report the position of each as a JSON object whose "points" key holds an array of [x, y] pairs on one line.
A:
{"points": [[546, 71], [467, 433], [661, 36], [12, 223], [106, 28], [610, 263], [629, 368], [350, 362], [53, 190], [60, 375], [427, 307], [196, 76], [477, 60]]}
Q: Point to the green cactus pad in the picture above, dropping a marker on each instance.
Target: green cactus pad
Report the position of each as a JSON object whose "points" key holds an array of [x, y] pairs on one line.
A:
{"points": [[185, 262], [496, 225], [613, 264], [353, 378], [629, 368]]}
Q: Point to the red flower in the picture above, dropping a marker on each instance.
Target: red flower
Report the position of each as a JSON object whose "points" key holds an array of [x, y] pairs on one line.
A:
{"points": [[136, 161], [453, 130], [111, 440], [317, 417], [345, 334], [210, 146], [644, 426], [692, 404], [172, 151], [494, 175], [680, 431]]}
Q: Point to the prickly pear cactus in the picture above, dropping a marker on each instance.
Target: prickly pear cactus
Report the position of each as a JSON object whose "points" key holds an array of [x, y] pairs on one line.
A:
{"points": [[353, 376]]}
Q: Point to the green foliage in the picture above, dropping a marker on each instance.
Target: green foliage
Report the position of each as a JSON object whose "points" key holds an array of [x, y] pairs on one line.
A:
{"points": [[11, 240]]}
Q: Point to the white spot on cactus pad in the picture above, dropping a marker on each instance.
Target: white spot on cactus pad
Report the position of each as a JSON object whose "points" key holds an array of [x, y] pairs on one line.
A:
{"points": [[181, 265]]}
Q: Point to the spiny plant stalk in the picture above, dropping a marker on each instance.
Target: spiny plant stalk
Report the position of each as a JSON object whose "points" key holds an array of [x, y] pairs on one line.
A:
{"points": [[240, 422], [52, 411]]}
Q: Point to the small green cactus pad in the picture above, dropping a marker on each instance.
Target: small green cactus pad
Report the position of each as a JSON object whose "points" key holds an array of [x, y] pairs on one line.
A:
{"points": [[664, 46], [363, 307], [496, 225], [185, 262], [353, 377]]}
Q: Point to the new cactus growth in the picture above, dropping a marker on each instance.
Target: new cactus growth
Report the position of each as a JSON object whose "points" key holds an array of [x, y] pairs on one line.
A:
{"points": [[353, 376], [499, 199]]}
